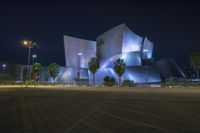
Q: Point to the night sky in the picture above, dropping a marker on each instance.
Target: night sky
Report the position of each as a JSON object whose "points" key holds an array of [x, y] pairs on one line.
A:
{"points": [[173, 27]]}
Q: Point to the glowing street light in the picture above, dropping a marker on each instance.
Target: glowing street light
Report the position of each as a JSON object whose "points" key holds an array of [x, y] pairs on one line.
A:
{"points": [[29, 44], [145, 55], [4, 71], [145, 50], [4, 68], [34, 56], [25, 42], [79, 54]]}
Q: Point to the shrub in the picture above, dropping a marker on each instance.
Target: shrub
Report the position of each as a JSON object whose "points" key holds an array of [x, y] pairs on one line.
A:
{"points": [[109, 81], [170, 81], [186, 82], [129, 83]]}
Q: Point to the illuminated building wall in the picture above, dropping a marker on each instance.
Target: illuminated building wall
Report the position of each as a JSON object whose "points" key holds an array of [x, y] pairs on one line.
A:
{"points": [[118, 42], [131, 41], [110, 42], [77, 54], [147, 49], [168, 68], [131, 59], [78, 50], [139, 74]]}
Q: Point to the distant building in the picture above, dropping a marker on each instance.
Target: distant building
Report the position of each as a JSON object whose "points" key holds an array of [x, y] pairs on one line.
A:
{"points": [[9, 71], [17, 72]]}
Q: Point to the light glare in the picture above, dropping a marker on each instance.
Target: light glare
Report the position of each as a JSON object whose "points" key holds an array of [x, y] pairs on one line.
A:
{"points": [[4, 65]]}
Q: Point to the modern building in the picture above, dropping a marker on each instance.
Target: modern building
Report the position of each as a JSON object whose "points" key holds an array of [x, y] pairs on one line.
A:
{"points": [[118, 42]]}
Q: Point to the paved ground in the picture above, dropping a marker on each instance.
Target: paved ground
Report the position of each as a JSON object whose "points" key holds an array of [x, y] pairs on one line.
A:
{"points": [[99, 111]]}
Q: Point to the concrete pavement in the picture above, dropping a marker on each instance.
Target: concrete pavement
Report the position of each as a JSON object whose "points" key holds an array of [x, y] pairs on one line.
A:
{"points": [[99, 110]]}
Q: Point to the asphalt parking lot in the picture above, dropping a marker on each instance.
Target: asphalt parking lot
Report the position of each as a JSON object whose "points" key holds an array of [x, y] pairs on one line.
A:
{"points": [[92, 111]]}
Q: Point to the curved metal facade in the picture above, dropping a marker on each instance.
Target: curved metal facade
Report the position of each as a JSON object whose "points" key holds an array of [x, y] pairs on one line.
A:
{"points": [[168, 68], [139, 74], [78, 51], [131, 59], [118, 42], [142, 74], [131, 41], [110, 42], [147, 49]]}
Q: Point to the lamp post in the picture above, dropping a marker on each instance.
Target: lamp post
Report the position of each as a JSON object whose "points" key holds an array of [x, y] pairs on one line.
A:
{"points": [[4, 68], [29, 44], [34, 56], [4, 71], [79, 65], [146, 65]]}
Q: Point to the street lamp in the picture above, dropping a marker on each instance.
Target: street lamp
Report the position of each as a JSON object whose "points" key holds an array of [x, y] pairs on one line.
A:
{"points": [[29, 44], [4, 68], [146, 65], [79, 63], [145, 55], [34, 56]]}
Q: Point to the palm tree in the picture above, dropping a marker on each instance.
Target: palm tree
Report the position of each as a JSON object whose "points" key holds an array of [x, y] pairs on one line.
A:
{"points": [[36, 71], [119, 68], [93, 66], [53, 70], [195, 62]]}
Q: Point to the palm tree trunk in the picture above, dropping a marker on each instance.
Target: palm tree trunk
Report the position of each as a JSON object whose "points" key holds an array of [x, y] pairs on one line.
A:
{"points": [[119, 81], [93, 79], [54, 80]]}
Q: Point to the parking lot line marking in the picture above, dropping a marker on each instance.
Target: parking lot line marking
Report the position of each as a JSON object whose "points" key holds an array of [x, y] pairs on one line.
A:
{"points": [[151, 115], [137, 122], [85, 117], [188, 116], [93, 126], [14, 110]]}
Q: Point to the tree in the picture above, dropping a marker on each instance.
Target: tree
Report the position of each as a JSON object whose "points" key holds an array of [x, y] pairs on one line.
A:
{"points": [[109, 81], [119, 68], [129, 83], [53, 69], [93, 66], [195, 62], [36, 71]]}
